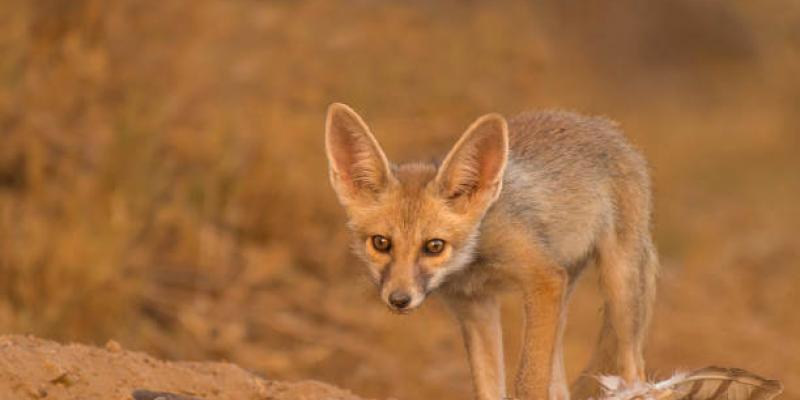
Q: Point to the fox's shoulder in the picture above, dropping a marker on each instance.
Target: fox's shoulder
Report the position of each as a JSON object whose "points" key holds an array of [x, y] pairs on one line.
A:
{"points": [[554, 126], [567, 136]]}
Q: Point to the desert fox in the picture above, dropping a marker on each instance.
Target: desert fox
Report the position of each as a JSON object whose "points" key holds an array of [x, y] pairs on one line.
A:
{"points": [[527, 203]]}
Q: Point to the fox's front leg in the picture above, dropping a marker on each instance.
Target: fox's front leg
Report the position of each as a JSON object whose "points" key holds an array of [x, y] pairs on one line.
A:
{"points": [[480, 324], [541, 371]]}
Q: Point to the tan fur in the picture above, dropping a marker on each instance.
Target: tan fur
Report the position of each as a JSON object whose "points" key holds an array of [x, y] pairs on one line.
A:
{"points": [[528, 203]]}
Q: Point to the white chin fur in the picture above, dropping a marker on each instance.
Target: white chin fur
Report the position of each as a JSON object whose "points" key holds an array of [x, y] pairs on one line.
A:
{"points": [[440, 276], [416, 300]]}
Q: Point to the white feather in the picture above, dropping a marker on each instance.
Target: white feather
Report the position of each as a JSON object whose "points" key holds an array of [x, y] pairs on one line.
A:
{"points": [[615, 388]]}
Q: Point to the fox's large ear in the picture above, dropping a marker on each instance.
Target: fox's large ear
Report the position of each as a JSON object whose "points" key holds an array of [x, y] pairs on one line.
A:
{"points": [[473, 170], [358, 166]]}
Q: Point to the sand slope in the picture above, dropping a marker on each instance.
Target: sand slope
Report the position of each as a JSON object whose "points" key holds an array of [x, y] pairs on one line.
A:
{"points": [[32, 368]]}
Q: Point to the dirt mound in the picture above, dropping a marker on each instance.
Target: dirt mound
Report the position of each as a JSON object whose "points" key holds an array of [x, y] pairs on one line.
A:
{"points": [[32, 368]]}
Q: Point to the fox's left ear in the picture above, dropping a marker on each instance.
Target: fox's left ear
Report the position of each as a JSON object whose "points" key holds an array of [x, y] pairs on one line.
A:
{"points": [[358, 166], [472, 173]]}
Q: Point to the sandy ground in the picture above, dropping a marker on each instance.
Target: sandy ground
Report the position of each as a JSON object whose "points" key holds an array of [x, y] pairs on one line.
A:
{"points": [[32, 368]]}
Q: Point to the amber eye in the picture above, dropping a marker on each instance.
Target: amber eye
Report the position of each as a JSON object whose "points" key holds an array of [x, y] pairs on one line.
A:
{"points": [[381, 243], [434, 246]]}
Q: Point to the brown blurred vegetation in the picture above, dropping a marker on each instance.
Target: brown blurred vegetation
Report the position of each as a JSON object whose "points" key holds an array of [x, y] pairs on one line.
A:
{"points": [[163, 182]]}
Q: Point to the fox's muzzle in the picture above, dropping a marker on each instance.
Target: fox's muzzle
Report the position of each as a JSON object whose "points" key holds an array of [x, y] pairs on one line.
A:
{"points": [[402, 300], [403, 288], [399, 299], [400, 296]]}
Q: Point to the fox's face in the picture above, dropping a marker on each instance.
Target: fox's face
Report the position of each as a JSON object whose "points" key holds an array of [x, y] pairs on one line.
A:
{"points": [[414, 224]]}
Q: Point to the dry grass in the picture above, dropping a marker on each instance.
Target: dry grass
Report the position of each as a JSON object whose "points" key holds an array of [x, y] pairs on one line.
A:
{"points": [[162, 178]]}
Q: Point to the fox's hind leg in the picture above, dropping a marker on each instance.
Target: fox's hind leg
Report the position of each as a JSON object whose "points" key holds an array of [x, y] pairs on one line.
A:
{"points": [[627, 278]]}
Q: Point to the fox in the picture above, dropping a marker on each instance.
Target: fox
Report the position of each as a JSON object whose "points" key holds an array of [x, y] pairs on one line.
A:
{"points": [[525, 203]]}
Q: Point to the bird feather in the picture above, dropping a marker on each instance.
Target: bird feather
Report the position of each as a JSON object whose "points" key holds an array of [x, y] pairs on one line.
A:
{"points": [[710, 383]]}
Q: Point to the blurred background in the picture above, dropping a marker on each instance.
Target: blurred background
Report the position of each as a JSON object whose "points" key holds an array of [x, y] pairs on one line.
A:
{"points": [[163, 180]]}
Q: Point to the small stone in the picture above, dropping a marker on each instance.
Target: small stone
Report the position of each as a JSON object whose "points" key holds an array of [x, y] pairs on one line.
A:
{"points": [[53, 370], [113, 346], [66, 379]]}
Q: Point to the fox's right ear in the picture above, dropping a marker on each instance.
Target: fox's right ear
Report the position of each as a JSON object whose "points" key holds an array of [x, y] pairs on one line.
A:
{"points": [[358, 166]]}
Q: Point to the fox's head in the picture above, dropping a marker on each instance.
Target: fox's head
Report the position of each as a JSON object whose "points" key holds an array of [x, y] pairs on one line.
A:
{"points": [[414, 224]]}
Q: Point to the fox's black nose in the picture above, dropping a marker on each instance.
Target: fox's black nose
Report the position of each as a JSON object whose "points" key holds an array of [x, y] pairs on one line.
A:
{"points": [[399, 300]]}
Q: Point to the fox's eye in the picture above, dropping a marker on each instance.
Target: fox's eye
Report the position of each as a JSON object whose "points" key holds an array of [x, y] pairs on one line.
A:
{"points": [[381, 243], [433, 246]]}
